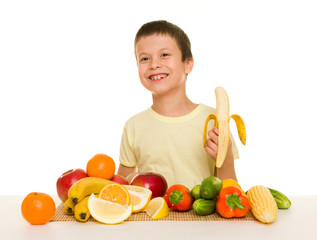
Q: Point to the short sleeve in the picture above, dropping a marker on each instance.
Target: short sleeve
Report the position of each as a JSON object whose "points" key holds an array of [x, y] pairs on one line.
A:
{"points": [[127, 156]]}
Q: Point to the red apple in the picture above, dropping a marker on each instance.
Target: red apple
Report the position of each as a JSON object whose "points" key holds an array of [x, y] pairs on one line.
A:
{"points": [[119, 179], [66, 180], [153, 181]]}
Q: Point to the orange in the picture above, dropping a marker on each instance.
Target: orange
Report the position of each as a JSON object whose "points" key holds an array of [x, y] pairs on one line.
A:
{"points": [[116, 193], [38, 208], [101, 166]]}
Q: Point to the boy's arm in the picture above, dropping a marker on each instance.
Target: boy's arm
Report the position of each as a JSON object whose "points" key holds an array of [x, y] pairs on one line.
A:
{"points": [[128, 172], [227, 169]]}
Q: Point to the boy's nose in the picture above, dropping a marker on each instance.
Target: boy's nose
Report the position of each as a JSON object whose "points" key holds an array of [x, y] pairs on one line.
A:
{"points": [[155, 63]]}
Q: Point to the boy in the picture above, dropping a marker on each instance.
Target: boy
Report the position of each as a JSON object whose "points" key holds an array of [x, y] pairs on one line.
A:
{"points": [[167, 137]]}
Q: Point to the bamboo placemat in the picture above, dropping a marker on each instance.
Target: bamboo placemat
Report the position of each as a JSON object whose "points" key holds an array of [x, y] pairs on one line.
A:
{"points": [[142, 216]]}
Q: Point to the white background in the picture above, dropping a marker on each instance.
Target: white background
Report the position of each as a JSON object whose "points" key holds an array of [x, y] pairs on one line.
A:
{"points": [[69, 82]]}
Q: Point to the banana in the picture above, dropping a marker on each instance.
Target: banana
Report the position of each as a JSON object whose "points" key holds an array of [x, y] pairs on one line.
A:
{"points": [[86, 186], [222, 119], [81, 210], [69, 207]]}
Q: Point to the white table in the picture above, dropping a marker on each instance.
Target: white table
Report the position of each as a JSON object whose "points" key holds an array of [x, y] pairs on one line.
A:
{"points": [[298, 222]]}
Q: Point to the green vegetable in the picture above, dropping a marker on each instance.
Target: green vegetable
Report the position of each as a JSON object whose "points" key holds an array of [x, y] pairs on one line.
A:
{"points": [[281, 200], [204, 207], [210, 187], [195, 192]]}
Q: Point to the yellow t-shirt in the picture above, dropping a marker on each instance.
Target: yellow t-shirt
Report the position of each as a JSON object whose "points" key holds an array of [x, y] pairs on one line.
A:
{"points": [[171, 146]]}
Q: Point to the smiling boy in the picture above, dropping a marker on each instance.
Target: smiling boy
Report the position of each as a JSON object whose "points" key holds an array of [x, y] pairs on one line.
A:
{"points": [[167, 137]]}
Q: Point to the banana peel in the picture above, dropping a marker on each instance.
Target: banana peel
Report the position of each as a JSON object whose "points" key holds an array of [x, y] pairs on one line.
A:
{"points": [[81, 210], [222, 119]]}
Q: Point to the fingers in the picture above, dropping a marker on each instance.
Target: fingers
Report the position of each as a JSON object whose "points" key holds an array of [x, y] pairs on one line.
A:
{"points": [[213, 134], [212, 143], [215, 130], [211, 148]]}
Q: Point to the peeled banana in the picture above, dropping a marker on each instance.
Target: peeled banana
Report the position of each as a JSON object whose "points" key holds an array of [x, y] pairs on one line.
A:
{"points": [[222, 119], [69, 207], [81, 210], [85, 187]]}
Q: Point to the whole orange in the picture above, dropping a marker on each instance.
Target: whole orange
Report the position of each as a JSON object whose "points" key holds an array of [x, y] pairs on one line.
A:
{"points": [[101, 166], [38, 208]]}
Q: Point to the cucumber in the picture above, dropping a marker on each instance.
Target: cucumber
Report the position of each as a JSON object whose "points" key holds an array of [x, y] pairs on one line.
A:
{"points": [[281, 200], [204, 207]]}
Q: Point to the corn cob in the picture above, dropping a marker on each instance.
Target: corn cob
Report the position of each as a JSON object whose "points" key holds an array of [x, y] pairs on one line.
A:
{"points": [[262, 203]]}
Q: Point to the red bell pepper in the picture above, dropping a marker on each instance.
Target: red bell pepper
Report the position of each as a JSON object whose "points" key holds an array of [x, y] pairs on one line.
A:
{"points": [[232, 203], [178, 198]]}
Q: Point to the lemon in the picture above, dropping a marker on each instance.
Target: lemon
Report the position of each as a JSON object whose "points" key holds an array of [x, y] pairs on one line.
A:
{"points": [[157, 208], [139, 197], [108, 212]]}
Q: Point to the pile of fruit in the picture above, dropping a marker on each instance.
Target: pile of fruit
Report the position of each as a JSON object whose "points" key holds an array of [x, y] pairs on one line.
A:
{"points": [[100, 193], [109, 198]]}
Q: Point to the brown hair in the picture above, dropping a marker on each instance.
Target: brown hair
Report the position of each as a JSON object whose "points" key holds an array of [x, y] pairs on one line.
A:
{"points": [[164, 27]]}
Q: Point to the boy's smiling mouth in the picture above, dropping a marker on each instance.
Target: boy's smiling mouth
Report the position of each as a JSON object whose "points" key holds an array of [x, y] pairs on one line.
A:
{"points": [[157, 77]]}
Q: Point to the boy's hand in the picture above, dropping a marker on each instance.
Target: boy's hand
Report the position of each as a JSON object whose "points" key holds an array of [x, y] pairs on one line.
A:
{"points": [[128, 172], [212, 143], [227, 170]]}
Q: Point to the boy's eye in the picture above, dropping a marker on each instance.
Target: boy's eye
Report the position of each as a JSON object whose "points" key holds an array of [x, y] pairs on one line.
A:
{"points": [[144, 59], [165, 54]]}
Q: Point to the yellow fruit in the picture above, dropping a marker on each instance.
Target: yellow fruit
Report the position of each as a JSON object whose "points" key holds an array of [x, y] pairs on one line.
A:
{"points": [[86, 186], [81, 210], [222, 119], [108, 212], [116, 193], [69, 206], [157, 208], [139, 197]]}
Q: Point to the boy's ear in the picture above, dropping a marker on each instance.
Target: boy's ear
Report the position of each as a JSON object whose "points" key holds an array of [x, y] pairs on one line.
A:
{"points": [[189, 64]]}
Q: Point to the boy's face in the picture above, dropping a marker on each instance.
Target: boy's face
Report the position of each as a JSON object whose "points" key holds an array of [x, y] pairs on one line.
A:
{"points": [[161, 69]]}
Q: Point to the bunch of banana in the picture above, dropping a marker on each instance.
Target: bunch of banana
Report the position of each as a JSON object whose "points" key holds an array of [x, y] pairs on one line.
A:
{"points": [[81, 210], [222, 119], [78, 195], [69, 206], [86, 186]]}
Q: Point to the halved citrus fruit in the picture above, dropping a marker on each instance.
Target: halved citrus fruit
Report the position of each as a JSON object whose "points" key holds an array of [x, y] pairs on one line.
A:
{"points": [[116, 193], [157, 208], [108, 212], [139, 197]]}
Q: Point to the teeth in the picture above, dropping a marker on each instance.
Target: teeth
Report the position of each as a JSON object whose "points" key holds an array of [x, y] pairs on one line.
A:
{"points": [[157, 77]]}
